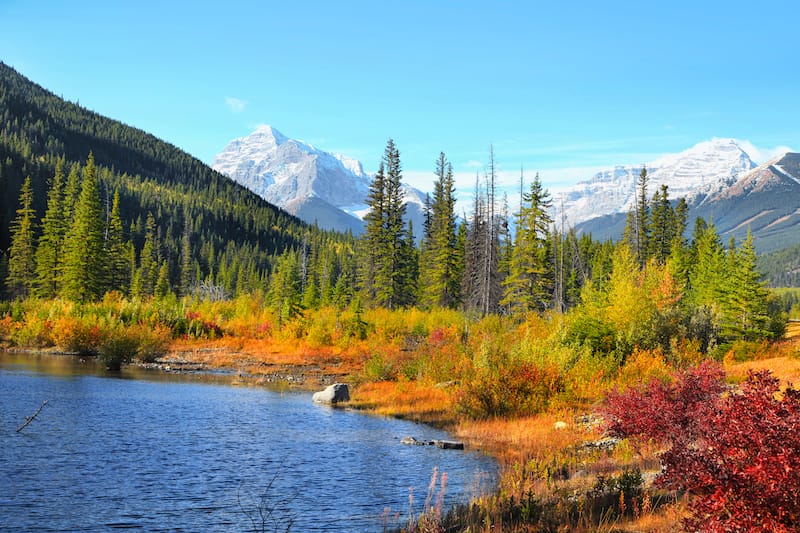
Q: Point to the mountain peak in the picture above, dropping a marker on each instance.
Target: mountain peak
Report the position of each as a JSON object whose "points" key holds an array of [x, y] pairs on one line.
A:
{"points": [[268, 133]]}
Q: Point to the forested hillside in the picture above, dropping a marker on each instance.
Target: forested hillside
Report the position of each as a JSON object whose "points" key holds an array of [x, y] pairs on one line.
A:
{"points": [[204, 227]]}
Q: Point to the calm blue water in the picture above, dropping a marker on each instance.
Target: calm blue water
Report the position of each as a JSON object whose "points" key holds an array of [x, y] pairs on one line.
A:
{"points": [[146, 451]]}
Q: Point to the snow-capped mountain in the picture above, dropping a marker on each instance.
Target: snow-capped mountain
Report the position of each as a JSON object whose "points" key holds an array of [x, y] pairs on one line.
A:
{"points": [[314, 185], [764, 200], [693, 174]]}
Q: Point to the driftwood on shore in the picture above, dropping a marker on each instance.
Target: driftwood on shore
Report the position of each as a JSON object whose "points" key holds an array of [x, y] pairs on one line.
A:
{"points": [[443, 444], [29, 419]]}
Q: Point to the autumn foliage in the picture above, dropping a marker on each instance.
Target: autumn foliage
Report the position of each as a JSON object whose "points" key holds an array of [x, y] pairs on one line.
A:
{"points": [[737, 453]]}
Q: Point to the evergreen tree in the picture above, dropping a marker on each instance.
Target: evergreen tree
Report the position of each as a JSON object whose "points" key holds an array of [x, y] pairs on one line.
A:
{"points": [[22, 261], [162, 288], [186, 259], [637, 225], [373, 245], [748, 297], [117, 251], [147, 273], [439, 277], [530, 281], [708, 276], [409, 263], [642, 220], [383, 270], [84, 255], [284, 295], [51, 242], [663, 228], [72, 191]]}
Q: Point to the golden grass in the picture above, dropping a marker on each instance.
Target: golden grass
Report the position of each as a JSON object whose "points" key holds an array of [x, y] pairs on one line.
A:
{"points": [[406, 399], [529, 438], [786, 369]]}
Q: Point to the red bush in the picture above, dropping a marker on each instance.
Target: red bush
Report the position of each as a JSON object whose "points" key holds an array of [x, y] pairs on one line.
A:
{"points": [[665, 412], [738, 454]]}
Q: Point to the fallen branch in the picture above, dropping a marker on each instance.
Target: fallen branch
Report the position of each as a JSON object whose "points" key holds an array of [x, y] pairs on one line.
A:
{"points": [[29, 419]]}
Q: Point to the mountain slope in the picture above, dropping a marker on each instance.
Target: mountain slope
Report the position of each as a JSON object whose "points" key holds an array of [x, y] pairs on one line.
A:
{"points": [[694, 173], [225, 222], [765, 200], [319, 187]]}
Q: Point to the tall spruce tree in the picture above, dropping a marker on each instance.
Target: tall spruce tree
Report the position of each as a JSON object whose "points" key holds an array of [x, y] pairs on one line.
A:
{"points": [[372, 245], [384, 271], [186, 259], [529, 286], [72, 190], [51, 242], [439, 277], [284, 295], [637, 225], [662, 225], [146, 275], [708, 277], [84, 256], [22, 260], [747, 299], [117, 251]]}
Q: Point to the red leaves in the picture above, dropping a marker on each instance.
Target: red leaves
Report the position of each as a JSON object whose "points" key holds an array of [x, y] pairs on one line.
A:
{"points": [[665, 412], [738, 454]]}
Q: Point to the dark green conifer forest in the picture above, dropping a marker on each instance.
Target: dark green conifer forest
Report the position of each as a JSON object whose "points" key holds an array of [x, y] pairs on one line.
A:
{"points": [[133, 207]]}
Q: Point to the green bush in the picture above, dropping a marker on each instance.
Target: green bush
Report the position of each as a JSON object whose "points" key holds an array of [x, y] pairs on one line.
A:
{"points": [[512, 388], [118, 348]]}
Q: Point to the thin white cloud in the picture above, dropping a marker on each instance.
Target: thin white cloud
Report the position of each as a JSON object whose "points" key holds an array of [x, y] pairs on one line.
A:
{"points": [[235, 104], [761, 154]]}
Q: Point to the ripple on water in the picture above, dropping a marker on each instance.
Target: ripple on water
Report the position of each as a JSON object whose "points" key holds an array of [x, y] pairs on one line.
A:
{"points": [[175, 455]]}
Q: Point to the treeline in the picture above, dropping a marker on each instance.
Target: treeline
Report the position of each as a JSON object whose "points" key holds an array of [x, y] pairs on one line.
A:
{"points": [[698, 289], [650, 290]]}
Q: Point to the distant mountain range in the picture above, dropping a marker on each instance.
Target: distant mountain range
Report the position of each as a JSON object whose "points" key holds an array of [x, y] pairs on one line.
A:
{"points": [[719, 181], [316, 186]]}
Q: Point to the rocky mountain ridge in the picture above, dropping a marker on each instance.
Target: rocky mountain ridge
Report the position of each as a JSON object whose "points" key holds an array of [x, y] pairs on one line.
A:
{"points": [[316, 186]]}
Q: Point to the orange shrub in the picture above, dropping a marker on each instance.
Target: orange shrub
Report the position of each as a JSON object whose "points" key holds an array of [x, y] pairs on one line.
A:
{"points": [[33, 332], [78, 334], [7, 325]]}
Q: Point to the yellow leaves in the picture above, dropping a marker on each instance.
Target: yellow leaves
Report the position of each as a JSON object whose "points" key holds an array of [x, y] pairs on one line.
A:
{"points": [[627, 301]]}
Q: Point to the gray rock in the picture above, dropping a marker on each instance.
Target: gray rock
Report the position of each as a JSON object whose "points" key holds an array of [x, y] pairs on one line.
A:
{"points": [[414, 442], [338, 392]]}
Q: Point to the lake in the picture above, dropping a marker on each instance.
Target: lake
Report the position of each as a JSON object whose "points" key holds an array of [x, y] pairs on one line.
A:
{"points": [[148, 450]]}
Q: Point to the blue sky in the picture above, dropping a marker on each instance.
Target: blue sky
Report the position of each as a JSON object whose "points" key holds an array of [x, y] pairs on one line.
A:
{"points": [[562, 88]]}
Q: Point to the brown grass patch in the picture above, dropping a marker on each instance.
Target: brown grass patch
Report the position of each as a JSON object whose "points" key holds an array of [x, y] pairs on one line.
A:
{"points": [[529, 438], [406, 399], [786, 369]]}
